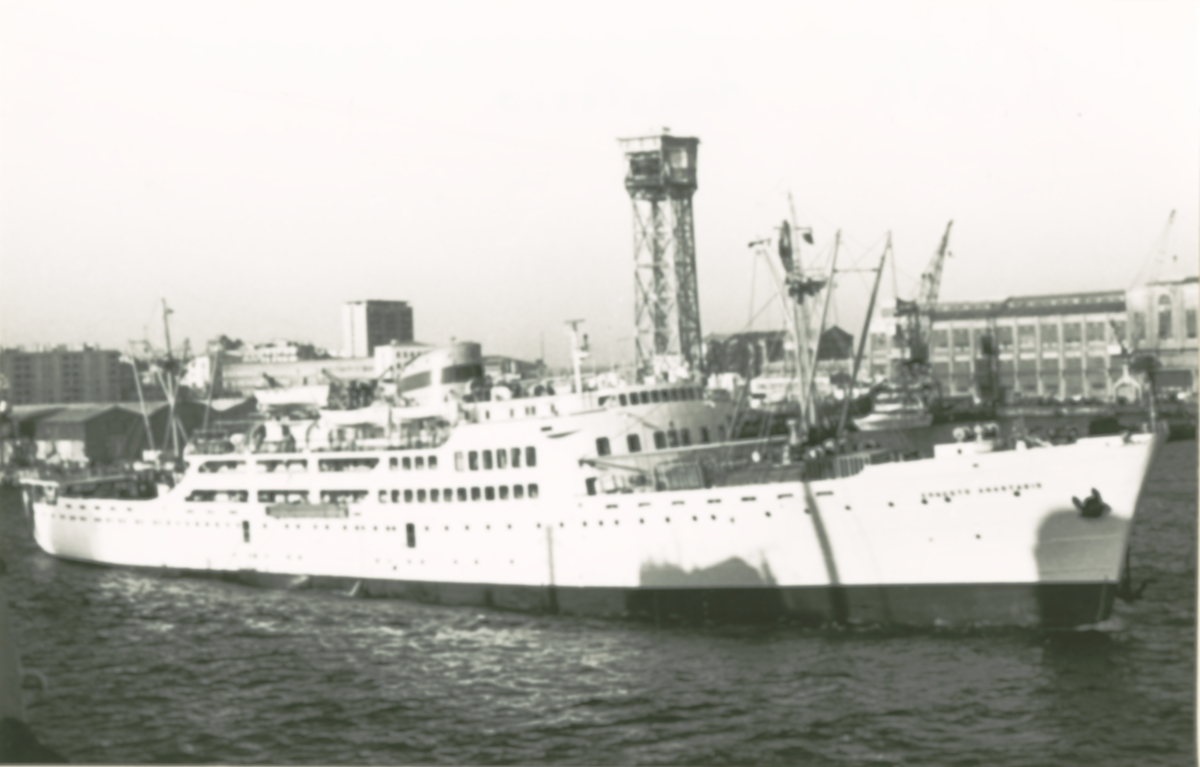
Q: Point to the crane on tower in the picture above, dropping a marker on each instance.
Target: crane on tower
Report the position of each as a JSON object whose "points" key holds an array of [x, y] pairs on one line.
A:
{"points": [[914, 319]]}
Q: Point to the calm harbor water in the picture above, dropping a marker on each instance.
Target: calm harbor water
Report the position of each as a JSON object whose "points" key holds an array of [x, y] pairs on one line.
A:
{"points": [[148, 668]]}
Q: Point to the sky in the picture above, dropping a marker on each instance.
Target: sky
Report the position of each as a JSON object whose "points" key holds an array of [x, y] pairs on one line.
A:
{"points": [[259, 163]]}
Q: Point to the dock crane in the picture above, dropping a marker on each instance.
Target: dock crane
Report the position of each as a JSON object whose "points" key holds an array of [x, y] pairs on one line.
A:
{"points": [[914, 319]]}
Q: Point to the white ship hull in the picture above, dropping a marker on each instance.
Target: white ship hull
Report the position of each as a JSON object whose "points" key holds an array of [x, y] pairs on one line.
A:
{"points": [[992, 537]]}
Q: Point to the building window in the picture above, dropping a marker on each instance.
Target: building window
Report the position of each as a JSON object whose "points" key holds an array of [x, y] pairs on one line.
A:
{"points": [[1139, 327], [533, 491], [448, 494], [475, 494], [501, 458], [1026, 336], [487, 459], [408, 496], [941, 339], [410, 532], [634, 443], [419, 462], [1072, 333], [623, 399], [516, 458], [660, 440], [1190, 318], [406, 462], [1095, 332], [685, 437], [962, 338], [1049, 335], [504, 492], [672, 438], [1118, 328], [462, 493], [489, 493], [602, 446], [473, 460], [1164, 316], [433, 495], [458, 461], [420, 496], [704, 438], [518, 491], [531, 457], [1004, 337]]}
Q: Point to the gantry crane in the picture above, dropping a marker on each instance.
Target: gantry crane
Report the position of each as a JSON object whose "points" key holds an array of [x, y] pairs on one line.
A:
{"points": [[914, 319]]}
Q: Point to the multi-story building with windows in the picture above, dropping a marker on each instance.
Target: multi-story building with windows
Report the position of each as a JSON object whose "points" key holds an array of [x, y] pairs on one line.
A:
{"points": [[63, 375], [1055, 346], [367, 324]]}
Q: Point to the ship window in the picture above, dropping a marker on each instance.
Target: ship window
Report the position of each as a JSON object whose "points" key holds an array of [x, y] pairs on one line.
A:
{"points": [[245, 531], [214, 466], [673, 438], [282, 496], [419, 462], [408, 496], [1164, 317], [487, 459], [395, 496], [660, 440], [201, 496], [448, 494], [433, 495], [407, 463], [533, 491], [393, 463], [602, 446], [343, 496], [473, 460], [654, 396], [624, 400], [501, 458], [645, 396], [1190, 321], [531, 457], [410, 532], [721, 432], [420, 496], [347, 464], [433, 462], [518, 491], [462, 493], [685, 436], [516, 457], [458, 461], [590, 483], [634, 442], [475, 494], [489, 493], [383, 496], [503, 492]]}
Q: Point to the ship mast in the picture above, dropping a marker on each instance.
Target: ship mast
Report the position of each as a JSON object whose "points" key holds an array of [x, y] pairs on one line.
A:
{"points": [[862, 339]]}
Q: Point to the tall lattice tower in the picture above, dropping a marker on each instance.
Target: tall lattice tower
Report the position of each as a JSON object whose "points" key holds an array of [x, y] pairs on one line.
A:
{"points": [[661, 179]]}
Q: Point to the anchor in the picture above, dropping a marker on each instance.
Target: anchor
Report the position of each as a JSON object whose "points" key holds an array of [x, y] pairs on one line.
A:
{"points": [[1091, 507]]}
